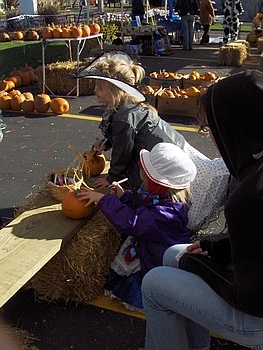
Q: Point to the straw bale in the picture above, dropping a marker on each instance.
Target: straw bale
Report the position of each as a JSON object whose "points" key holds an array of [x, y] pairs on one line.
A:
{"points": [[260, 45], [232, 54], [78, 271], [244, 42], [18, 338], [59, 81]]}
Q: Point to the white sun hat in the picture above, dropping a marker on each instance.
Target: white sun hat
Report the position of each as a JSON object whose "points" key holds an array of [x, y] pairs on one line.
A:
{"points": [[92, 72], [167, 165]]}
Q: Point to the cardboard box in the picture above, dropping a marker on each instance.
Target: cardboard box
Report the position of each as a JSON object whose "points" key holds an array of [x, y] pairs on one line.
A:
{"points": [[183, 107], [151, 98], [165, 82]]}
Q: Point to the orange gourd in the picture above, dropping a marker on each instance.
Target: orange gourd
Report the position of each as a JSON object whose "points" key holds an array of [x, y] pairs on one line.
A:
{"points": [[57, 32], [16, 102], [94, 28], [16, 79], [25, 78], [93, 167], [4, 36], [73, 208], [33, 35], [59, 105], [28, 106], [42, 103], [47, 33], [76, 31]]}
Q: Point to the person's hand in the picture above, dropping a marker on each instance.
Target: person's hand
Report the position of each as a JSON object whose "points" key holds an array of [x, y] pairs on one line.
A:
{"points": [[89, 195], [98, 146], [195, 248], [101, 182], [116, 189]]}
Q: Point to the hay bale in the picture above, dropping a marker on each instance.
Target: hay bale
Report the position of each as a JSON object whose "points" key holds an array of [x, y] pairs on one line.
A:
{"points": [[12, 336], [59, 81], [78, 272], [260, 45], [232, 54]]}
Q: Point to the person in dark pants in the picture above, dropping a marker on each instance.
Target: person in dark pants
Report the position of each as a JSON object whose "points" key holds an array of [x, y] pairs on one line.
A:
{"points": [[206, 18], [187, 9]]}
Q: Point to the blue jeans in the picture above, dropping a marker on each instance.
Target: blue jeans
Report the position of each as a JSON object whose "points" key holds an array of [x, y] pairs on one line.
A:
{"points": [[172, 297], [187, 26]]}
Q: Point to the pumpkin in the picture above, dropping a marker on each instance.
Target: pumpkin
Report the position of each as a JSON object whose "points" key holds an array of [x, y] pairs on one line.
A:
{"points": [[57, 32], [16, 102], [16, 72], [94, 28], [16, 79], [33, 35], [74, 208], [66, 32], [18, 35], [25, 78], [28, 106], [42, 103], [76, 31], [7, 85], [4, 36], [33, 76], [85, 30], [28, 68], [93, 167], [5, 102], [28, 95], [47, 33], [13, 93], [59, 105]]}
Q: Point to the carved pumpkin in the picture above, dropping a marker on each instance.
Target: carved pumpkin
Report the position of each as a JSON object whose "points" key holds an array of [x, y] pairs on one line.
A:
{"points": [[16, 102], [28, 106], [33, 35], [5, 102], [73, 208], [18, 35], [59, 105], [42, 103], [93, 167], [85, 30], [94, 28]]}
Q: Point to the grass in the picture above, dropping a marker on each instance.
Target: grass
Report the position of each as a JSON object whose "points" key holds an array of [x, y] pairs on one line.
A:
{"points": [[15, 54], [244, 27]]}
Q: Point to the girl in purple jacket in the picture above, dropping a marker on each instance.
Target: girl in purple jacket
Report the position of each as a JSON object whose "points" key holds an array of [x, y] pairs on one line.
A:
{"points": [[152, 224]]}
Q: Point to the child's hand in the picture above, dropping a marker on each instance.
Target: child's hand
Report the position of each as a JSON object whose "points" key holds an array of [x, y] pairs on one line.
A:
{"points": [[101, 182], [116, 189], [98, 146], [196, 249], [89, 195]]}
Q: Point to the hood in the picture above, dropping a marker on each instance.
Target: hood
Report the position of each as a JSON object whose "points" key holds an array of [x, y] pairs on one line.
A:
{"points": [[234, 108]]}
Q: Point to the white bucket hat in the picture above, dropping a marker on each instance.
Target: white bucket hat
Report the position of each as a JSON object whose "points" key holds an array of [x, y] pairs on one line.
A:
{"points": [[167, 165], [92, 72]]}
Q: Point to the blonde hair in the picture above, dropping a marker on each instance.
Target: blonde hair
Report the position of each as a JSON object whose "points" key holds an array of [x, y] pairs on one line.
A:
{"points": [[126, 71], [180, 196]]}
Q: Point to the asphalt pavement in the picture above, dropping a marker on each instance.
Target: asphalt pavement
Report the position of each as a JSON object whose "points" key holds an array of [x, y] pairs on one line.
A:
{"points": [[23, 151]]}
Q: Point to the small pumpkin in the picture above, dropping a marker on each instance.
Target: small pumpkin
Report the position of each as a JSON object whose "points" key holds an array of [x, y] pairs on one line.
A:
{"points": [[28, 106], [18, 35], [93, 167], [85, 30], [16, 79], [94, 28], [5, 102], [42, 103], [76, 31], [16, 102], [59, 105], [74, 208], [25, 78], [14, 92], [47, 33], [7, 85], [15, 72], [28, 95], [4, 36], [66, 32], [33, 35], [57, 32]]}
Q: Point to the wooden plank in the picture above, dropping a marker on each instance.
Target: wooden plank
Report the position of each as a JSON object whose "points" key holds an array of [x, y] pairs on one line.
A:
{"points": [[30, 241]]}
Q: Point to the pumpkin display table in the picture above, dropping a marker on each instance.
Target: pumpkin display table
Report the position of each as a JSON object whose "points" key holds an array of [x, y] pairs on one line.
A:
{"points": [[68, 42]]}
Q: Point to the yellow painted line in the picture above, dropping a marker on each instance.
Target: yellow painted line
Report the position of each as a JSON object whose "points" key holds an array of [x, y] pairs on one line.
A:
{"points": [[98, 119]]}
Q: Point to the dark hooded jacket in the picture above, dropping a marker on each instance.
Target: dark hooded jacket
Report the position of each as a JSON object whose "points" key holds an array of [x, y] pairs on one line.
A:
{"points": [[235, 116]]}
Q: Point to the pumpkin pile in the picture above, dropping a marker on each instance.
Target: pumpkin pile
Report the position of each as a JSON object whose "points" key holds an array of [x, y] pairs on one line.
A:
{"points": [[70, 31], [176, 92], [163, 74]]}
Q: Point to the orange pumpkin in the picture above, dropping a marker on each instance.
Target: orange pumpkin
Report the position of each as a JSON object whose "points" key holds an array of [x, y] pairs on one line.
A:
{"points": [[42, 103], [4, 36], [7, 85], [13, 93], [18, 35], [66, 32], [93, 167], [85, 30], [28, 106], [94, 28], [28, 95], [15, 72], [59, 105], [25, 78], [16, 102], [16, 79], [47, 33], [33, 77], [28, 68], [74, 208], [33, 35], [57, 32], [5, 102], [76, 31]]}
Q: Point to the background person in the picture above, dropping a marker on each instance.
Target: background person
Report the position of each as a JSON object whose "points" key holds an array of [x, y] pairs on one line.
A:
{"points": [[232, 10], [206, 19], [172, 296], [257, 26]]}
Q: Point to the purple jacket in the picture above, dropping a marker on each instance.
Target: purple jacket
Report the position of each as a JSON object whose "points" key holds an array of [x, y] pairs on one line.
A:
{"points": [[155, 227]]}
